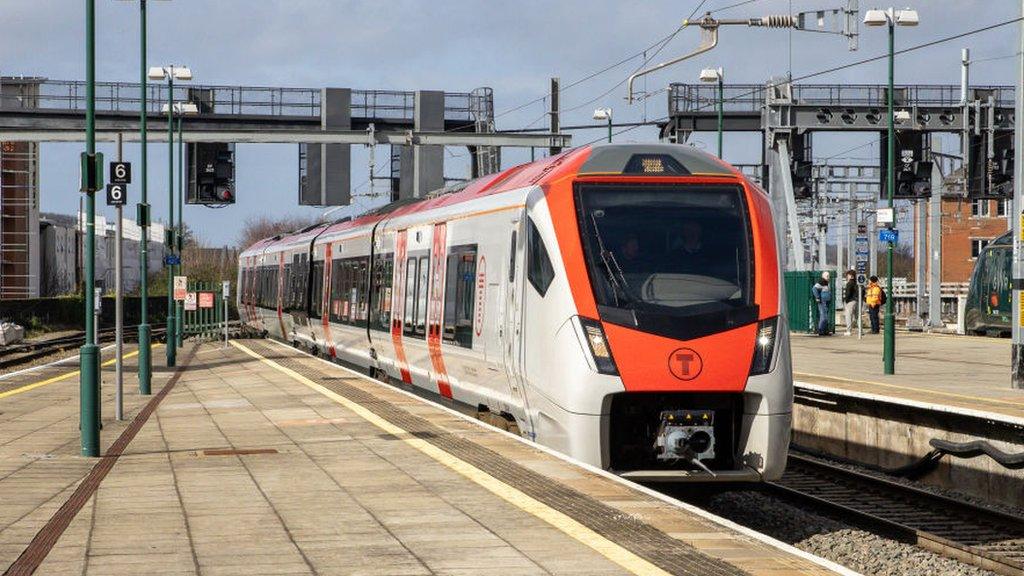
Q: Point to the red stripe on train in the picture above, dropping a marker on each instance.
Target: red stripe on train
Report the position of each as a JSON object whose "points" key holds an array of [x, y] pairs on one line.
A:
{"points": [[434, 309], [325, 301], [398, 306]]}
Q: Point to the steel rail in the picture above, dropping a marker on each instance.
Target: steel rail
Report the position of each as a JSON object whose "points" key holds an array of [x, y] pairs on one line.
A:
{"points": [[971, 534]]}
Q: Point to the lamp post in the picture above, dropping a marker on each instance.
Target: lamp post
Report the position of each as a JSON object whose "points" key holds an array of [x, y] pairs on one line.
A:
{"points": [[715, 75], [181, 109], [170, 73], [89, 354], [890, 18], [142, 216], [605, 114]]}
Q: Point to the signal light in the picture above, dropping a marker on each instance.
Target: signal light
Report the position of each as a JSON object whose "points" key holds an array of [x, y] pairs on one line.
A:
{"points": [[211, 173]]}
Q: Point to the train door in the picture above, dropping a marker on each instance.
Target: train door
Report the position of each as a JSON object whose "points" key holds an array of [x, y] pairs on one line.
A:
{"points": [[512, 323], [438, 261], [401, 365]]}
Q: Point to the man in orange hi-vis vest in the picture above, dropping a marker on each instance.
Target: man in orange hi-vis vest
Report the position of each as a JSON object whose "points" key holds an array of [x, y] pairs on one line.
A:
{"points": [[874, 297]]}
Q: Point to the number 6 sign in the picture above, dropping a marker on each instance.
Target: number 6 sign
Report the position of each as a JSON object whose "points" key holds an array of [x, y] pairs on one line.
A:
{"points": [[117, 194], [121, 172]]}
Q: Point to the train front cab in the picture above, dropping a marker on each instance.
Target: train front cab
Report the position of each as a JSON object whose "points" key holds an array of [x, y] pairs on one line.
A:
{"points": [[677, 358]]}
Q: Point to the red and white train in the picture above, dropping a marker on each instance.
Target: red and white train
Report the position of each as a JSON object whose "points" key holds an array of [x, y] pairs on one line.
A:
{"points": [[619, 303]]}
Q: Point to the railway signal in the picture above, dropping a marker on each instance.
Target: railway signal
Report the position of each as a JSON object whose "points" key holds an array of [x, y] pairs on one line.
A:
{"points": [[211, 174]]}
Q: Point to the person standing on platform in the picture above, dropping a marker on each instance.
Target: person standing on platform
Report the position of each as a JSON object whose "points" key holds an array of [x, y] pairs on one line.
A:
{"points": [[823, 296], [849, 299], [874, 297]]}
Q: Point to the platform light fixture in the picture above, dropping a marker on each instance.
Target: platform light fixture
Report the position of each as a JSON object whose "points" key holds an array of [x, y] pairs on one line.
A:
{"points": [[715, 75], [183, 73], [605, 114], [145, 347], [171, 73], [891, 18], [180, 110]]}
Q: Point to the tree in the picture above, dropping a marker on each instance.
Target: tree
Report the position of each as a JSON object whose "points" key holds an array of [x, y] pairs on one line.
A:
{"points": [[257, 228]]}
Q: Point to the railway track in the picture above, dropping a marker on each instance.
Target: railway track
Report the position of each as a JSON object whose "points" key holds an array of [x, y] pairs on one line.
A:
{"points": [[971, 534], [26, 352]]}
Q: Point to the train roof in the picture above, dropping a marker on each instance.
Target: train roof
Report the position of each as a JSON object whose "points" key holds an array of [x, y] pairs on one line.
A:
{"points": [[1005, 240], [591, 160]]}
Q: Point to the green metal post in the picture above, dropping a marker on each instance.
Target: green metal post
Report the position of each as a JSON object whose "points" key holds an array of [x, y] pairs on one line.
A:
{"points": [[609, 128], [181, 229], [145, 356], [89, 356], [170, 339], [889, 350], [721, 101]]}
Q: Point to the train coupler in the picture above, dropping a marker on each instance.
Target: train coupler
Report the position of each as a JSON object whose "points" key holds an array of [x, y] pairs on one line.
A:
{"points": [[687, 435]]}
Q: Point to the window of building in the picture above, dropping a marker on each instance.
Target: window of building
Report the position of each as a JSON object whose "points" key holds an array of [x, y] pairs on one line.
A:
{"points": [[460, 295], [1004, 207], [539, 271], [977, 245], [981, 208]]}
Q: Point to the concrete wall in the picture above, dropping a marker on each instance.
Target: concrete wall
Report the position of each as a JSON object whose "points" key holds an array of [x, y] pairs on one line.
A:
{"points": [[889, 436]]}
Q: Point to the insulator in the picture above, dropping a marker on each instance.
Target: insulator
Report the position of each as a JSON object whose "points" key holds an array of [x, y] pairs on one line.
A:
{"points": [[775, 21]]}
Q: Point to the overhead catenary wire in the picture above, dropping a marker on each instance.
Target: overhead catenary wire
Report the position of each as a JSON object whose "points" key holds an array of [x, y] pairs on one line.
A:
{"points": [[611, 67], [841, 67]]}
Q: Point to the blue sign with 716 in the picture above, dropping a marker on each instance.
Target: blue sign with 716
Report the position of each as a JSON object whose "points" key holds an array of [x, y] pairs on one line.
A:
{"points": [[889, 235]]}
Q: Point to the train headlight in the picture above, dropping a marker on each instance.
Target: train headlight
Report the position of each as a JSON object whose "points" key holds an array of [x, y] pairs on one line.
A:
{"points": [[598, 344], [764, 346]]}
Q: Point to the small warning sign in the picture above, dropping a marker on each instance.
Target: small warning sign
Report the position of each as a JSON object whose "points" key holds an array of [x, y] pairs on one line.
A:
{"points": [[180, 287], [206, 299], [190, 301]]}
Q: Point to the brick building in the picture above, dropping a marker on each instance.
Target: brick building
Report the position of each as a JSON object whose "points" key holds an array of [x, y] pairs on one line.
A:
{"points": [[967, 227]]}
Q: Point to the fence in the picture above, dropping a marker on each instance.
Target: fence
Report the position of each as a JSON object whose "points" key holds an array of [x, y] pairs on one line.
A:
{"points": [[204, 311]]}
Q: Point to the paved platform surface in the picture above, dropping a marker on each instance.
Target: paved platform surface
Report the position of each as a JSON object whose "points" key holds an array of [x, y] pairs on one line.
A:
{"points": [[959, 371], [255, 459]]}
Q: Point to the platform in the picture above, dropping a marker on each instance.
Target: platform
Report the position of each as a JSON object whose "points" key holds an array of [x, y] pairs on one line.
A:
{"points": [[257, 459], [959, 372], [951, 389]]}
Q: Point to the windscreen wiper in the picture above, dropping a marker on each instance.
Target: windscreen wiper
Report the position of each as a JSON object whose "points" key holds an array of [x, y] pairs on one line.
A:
{"points": [[611, 266]]}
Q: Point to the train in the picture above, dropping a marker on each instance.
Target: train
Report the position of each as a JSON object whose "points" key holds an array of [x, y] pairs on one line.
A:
{"points": [[619, 303], [989, 309]]}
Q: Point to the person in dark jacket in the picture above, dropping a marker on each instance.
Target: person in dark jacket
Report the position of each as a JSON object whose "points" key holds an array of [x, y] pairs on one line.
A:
{"points": [[850, 299]]}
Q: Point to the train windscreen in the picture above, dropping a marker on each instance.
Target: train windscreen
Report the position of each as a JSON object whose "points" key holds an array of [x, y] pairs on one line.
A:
{"points": [[658, 254]]}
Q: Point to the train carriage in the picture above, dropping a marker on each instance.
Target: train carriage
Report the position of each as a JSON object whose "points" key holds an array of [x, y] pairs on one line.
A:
{"points": [[619, 303]]}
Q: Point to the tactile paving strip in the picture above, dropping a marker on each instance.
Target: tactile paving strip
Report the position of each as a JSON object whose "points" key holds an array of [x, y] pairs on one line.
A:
{"points": [[638, 537]]}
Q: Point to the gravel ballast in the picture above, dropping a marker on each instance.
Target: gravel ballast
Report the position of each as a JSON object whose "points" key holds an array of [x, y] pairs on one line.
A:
{"points": [[834, 540]]}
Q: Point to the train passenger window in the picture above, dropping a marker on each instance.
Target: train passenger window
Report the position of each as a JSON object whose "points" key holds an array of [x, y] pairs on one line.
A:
{"points": [[334, 303], [460, 295], [421, 296], [380, 292], [289, 288], [364, 280], [409, 314], [317, 286], [512, 260], [538, 265], [346, 291], [302, 294]]}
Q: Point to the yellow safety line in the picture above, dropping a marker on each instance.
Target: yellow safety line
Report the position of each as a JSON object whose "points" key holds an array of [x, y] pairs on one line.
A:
{"points": [[576, 530], [839, 381], [64, 376]]}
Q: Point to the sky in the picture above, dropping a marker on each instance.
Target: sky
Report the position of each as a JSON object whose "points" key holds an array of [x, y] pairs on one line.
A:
{"points": [[512, 47]]}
